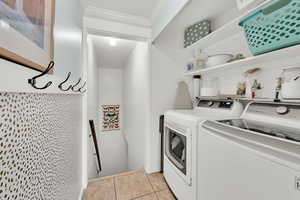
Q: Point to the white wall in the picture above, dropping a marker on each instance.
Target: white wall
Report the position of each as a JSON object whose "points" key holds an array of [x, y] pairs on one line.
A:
{"points": [[68, 39], [112, 144], [136, 101], [164, 13], [166, 72]]}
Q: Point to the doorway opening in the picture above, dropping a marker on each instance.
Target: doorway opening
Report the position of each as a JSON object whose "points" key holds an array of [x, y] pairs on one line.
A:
{"points": [[118, 91]]}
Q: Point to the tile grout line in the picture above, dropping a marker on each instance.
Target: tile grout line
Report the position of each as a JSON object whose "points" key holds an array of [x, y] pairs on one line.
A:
{"points": [[143, 196], [115, 188], [117, 196], [160, 190], [154, 192], [167, 188]]}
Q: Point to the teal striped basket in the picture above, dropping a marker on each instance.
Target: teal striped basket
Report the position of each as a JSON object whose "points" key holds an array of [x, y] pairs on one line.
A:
{"points": [[273, 27]]}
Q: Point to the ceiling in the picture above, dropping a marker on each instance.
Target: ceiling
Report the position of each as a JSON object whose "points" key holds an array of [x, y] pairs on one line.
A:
{"points": [[142, 8], [108, 56]]}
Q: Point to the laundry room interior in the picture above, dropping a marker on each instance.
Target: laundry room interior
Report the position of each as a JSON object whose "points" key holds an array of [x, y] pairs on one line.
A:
{"points": [[150, 100]]}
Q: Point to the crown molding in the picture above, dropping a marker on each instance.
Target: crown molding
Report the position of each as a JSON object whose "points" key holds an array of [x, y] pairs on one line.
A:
{"points": [[111, 15]]}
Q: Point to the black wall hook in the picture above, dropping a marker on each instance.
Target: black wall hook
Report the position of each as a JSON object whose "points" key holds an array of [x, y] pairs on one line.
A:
{"points": [[32, 81], [73, 87], [81, 89], [60, 86]]}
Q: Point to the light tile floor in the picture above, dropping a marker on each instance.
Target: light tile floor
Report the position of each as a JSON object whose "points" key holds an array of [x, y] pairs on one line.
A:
{"points": [[135, 185]]}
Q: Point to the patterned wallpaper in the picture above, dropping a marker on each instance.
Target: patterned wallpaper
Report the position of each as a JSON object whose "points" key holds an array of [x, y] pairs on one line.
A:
{"points": [[40, 138]]}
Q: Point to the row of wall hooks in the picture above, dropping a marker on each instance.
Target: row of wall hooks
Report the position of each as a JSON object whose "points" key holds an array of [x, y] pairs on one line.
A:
{"points": [[61, 86]]}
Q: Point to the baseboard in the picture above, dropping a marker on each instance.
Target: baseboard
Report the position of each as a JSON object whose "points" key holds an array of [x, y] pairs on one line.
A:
{"points": [[81, 195], [117, 175], [150, 170]]}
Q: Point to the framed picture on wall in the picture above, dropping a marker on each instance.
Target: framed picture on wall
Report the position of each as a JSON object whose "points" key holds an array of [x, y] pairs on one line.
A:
{"points": [[26, 32], [110, 117]]}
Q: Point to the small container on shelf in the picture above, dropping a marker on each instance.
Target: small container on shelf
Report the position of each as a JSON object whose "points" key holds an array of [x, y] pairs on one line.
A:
{"points": [[197, 61], [219, 59], [256, 90], [209, 87], [291, 83], [190, 67]]}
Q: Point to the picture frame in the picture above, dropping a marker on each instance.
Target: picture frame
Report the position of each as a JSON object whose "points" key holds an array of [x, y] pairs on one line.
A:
{"points": [[26, 32], [110, 118]]}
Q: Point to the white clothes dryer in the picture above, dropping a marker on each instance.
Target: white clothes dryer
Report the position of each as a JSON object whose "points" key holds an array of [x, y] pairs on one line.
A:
{"points": [[180, 149]]}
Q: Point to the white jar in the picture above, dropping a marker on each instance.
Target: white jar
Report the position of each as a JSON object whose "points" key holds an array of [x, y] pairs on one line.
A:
{"points": [[210, 87], [291, 83]]}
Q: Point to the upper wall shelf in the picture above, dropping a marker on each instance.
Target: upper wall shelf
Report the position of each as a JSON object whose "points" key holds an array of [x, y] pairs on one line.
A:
{"points": [[282, 54], [216, 36], [224, 32]]}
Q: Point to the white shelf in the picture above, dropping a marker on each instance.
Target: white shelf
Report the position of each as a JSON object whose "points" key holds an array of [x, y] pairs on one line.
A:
{"points": [[282, 54], [214, 37], [270, 100], [229, 29]]}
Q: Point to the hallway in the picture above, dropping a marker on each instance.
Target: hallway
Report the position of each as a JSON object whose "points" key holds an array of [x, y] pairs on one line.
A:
{"points": [[134, 185]]}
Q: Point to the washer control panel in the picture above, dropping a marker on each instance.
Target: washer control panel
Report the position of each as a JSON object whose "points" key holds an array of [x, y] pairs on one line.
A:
{"points": [[225, 104]]}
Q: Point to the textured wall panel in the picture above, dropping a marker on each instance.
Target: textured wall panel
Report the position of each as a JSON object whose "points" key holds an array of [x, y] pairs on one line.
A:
{"points": [[40, 146]]}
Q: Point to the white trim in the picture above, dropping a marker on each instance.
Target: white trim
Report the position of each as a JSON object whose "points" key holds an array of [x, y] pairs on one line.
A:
{"points": [[112, 15], [84, 178], [116, 29], [163, 14]]}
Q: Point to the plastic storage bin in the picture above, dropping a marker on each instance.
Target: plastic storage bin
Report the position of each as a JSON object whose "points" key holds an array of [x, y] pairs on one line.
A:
{"points": [[274, 26]]}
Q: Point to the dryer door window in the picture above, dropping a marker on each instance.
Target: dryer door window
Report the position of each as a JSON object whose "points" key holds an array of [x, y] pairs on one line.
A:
{"points": [[176, 145]]}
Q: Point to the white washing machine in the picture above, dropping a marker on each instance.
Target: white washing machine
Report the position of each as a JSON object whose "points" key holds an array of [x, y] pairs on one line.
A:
{"points": [[180, 149], [255, 157]]}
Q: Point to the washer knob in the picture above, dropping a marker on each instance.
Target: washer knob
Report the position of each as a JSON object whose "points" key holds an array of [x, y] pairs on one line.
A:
{"points": [[282, 110], [210, 103]]}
